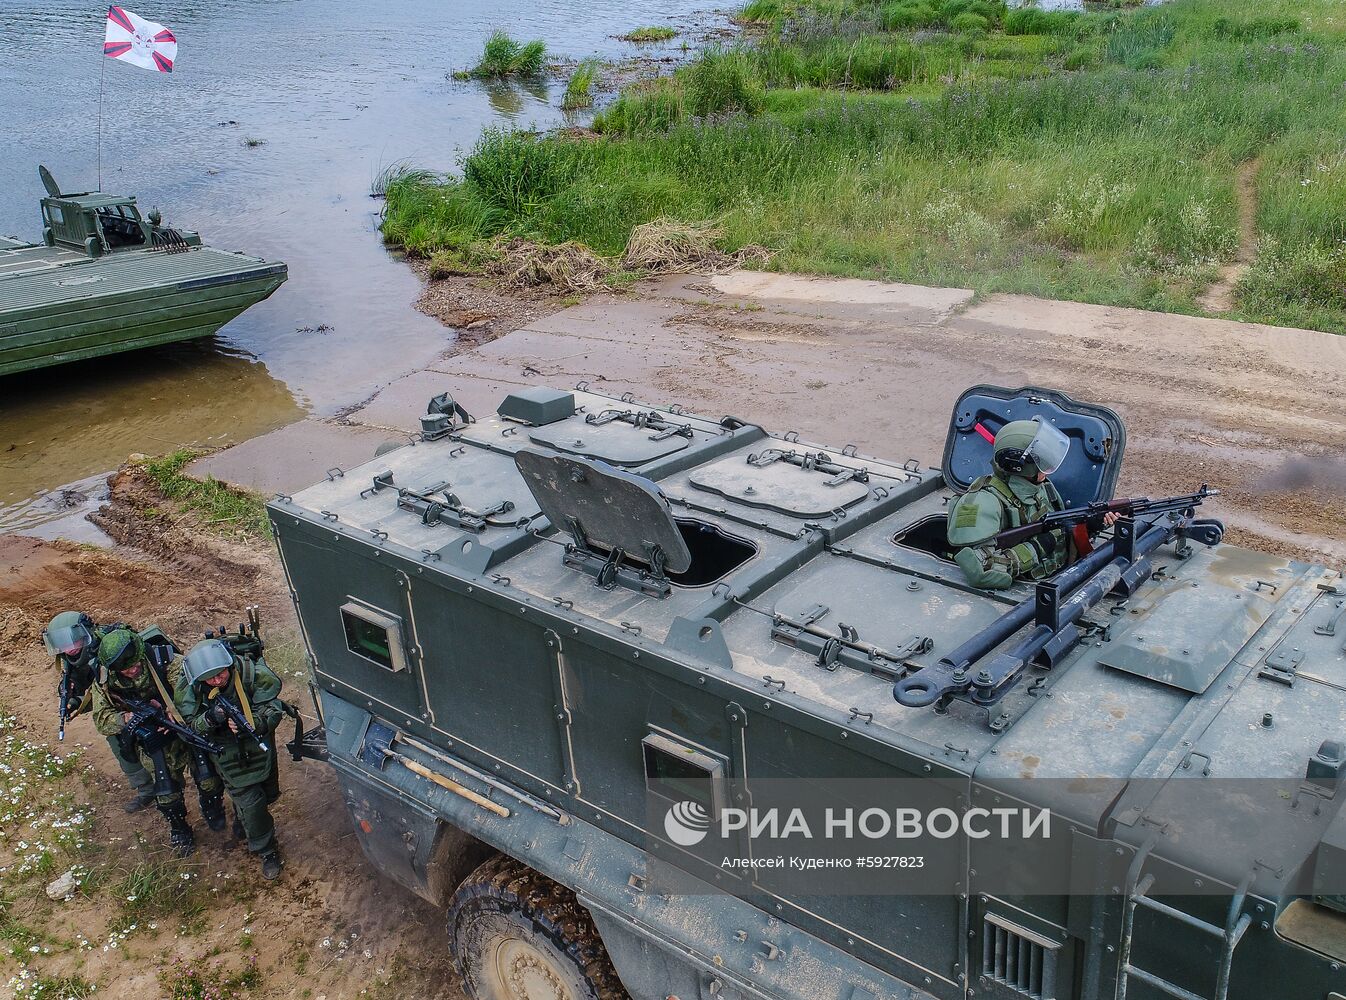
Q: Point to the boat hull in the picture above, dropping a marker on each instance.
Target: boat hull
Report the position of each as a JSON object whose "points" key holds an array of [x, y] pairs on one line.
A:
{"points": [[40, 329]]}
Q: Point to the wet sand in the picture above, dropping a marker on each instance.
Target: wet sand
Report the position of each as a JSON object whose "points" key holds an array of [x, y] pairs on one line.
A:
{"points": [[1253, 410]]}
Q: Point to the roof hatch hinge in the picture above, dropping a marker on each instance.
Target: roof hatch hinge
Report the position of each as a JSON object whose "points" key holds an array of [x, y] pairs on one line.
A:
{"points": [[1282, 666], [610, 569]]}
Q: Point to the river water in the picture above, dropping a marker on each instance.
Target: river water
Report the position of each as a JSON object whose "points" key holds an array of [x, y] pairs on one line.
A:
{"points": [[335, 91]]}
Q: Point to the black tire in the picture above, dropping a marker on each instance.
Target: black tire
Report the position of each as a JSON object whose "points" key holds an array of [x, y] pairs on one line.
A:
{"points": [[516, 934]]}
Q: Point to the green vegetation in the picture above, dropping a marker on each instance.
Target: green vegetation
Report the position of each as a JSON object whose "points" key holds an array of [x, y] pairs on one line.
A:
{"points": [[208, 980], [502, 56], [219, 505], [155, 888], [660, 33], [1092, 156], [580, 87]]}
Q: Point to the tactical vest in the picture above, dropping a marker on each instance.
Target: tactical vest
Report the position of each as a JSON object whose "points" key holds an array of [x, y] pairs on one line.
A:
{"points": [[1015, 507]]}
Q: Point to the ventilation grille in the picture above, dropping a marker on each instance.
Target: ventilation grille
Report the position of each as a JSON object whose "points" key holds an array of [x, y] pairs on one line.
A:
{"points": [[1017, 958]]}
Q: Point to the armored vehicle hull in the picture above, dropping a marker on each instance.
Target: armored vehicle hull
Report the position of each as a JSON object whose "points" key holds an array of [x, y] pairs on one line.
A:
{"points": [[105, 280], [568, 655]]}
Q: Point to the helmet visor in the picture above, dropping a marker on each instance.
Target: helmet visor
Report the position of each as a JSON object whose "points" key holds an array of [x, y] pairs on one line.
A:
{"points": [[1048, 449], [207, 659], [68, 640]]}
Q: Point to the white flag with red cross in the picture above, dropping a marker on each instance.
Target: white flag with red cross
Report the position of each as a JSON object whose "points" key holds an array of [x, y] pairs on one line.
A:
{"points": [[142, 43]]}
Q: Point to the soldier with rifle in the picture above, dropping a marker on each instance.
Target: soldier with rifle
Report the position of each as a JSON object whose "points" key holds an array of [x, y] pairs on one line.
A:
{"points": [[227, 692], [1012, 524], [72, 638], [132, 701]]}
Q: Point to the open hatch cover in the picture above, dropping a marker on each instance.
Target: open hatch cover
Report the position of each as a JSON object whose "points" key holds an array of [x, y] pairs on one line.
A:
{"points": [[1097, 438], [606, 508]]}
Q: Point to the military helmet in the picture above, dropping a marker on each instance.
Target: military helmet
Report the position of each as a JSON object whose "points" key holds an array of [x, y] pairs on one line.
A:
{"points": [[206, 659], [1027, 447], [120, 649], [69, 634]]}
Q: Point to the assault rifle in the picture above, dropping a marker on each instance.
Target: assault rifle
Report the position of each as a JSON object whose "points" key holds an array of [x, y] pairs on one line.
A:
{"points": [[66, 699], [235, 714], [1093, 512], [150, 728]]}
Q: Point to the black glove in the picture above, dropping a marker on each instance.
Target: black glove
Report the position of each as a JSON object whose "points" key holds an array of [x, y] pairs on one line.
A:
{"points": [[216, 714]]}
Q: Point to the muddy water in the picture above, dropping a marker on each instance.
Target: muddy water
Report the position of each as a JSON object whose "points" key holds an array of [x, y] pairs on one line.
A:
{"points": [[335, 91]]}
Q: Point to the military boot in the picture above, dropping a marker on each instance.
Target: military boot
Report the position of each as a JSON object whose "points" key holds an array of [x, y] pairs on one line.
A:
{"points": [[180, 837], [137, 804], [212, 810], [271, 865]]}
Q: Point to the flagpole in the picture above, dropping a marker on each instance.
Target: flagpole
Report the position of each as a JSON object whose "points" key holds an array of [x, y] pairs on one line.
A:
{"points": [[102, 70]]}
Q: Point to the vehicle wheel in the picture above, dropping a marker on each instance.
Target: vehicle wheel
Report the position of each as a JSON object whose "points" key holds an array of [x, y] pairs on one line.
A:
{"points": [[517, 935]]}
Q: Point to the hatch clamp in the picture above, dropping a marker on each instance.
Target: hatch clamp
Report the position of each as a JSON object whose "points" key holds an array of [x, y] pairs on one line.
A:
{"points": [[611, 570], [810, 461], [446, 508], [845, 646], [641, 420]]}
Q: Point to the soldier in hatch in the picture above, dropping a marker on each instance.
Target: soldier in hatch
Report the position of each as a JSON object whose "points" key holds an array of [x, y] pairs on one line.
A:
{"points": [[236, 700], [128, 677], [1016, 492], [72, 638]]}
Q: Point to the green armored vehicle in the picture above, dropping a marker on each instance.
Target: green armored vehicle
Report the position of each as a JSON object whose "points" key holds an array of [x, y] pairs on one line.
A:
{"points": [[107, 279], [668, 706]]}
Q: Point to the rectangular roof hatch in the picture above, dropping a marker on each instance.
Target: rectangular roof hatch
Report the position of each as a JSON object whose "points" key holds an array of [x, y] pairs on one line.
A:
{"points": [[1097, 438], [799, 484], [619, 437]]}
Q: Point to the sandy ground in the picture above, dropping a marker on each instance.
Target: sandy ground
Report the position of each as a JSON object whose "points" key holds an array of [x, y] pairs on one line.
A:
{"points": [[330, 927], [1253, 410]]}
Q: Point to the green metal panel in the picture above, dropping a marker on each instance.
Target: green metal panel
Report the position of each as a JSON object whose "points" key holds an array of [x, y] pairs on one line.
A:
{"points": [[1189, 638]]}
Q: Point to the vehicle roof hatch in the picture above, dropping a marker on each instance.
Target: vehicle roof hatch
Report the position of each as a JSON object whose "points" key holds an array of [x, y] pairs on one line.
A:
{"points": [[620, 437], [797, 483], [1097, 438], [611, 515]]}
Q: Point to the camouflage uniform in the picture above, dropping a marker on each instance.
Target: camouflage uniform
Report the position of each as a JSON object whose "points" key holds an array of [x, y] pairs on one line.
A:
{"points": [[250, 773], [83, 666], [110, 696]]}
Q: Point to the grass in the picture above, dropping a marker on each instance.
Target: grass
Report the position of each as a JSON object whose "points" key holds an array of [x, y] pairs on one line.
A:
{"points": [[208, 980], [503, 57], [1088, 156], [659, 33], [579, 92], [219, 505], [159, 888], [252, 142]]}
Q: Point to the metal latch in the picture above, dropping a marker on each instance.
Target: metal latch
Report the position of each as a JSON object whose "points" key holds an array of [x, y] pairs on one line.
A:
{"points": [[1282, 666], [446, 508], [641, 420], [811, 461]]}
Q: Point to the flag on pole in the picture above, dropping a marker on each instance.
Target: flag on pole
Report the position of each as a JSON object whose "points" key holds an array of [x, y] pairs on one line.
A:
{"points": [[142, 43]]}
